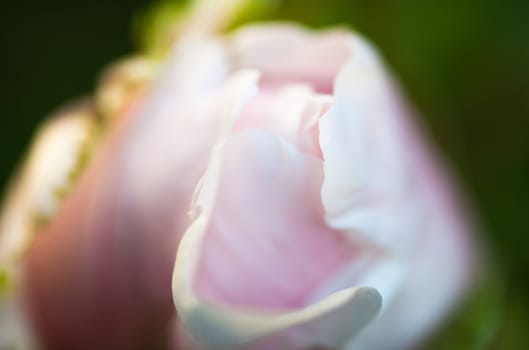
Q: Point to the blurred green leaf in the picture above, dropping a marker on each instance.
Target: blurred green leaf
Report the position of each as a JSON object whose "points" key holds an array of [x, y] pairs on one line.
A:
{"points": [[476, 324], [157, 28], [152, 29], [5, 283]]}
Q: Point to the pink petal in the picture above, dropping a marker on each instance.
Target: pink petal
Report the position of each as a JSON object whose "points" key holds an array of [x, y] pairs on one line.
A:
{"points": [[384, 186], [33, 195], [254, 247], [287, 54], [267, 226], [290, 112], [99, 276]]}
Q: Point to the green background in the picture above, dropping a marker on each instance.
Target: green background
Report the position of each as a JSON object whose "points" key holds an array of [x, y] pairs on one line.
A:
{"points": [[464, 65]]}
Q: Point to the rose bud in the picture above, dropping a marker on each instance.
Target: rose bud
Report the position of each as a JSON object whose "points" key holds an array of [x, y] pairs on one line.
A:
{"points": [[282, 169], [324, 219]]}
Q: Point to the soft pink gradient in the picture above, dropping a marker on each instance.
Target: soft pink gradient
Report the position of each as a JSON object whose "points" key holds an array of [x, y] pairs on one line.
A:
{"points": [[314, 181], [284, 56], [323, 184], [270, 220], [274, 231], [99, 276]]}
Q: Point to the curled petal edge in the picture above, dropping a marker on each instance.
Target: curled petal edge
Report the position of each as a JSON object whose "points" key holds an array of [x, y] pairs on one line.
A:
{"points": [[226, 327]]}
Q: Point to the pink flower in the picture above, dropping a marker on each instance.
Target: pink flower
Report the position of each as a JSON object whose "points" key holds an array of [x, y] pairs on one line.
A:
{"points": [[309, 209], [322, 211]]}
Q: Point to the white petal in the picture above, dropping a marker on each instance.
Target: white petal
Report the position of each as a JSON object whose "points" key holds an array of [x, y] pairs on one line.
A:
{"points": [[366, 192], [384, 186]]}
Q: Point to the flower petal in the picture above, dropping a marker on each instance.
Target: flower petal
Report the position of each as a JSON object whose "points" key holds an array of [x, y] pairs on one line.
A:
{"points": [[291, 54], [241, 279], [384, 185], [34, 194], [32, 199], [368, 189], [291, 112], [99, 276]]}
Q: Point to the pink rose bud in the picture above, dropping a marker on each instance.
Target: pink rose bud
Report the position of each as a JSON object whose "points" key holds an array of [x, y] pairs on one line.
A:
{"points": [[284, 171], [323, 218]]}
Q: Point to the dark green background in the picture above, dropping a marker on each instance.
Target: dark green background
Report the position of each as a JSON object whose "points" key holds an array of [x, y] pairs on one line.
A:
{"points": [[464, 64]]}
